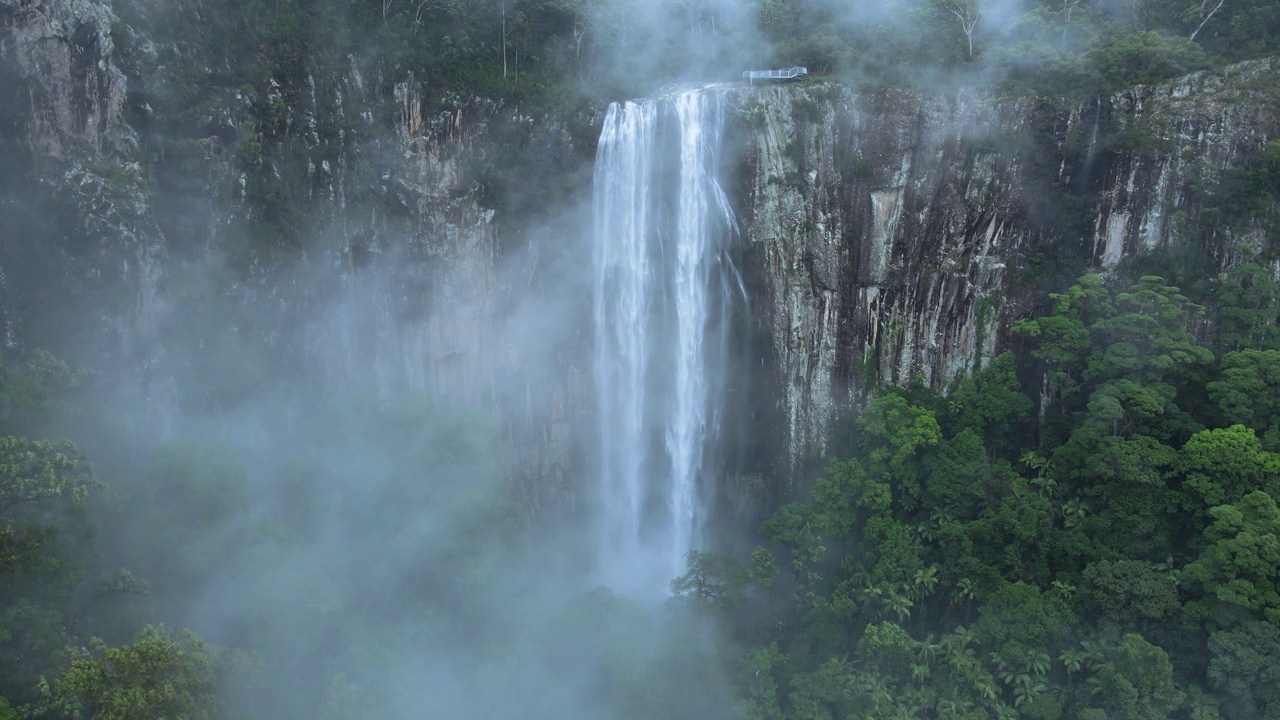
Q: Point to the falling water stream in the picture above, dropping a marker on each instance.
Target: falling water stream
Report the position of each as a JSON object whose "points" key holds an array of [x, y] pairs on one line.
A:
{"points": [[664, 288]]}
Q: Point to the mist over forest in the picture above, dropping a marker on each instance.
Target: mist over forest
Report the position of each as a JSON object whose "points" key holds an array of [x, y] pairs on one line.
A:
{"points": [[519, 359]]}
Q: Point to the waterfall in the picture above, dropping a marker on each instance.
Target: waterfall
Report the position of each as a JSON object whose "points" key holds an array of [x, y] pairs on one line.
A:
{"points": [[1093, 134], [664, 288]]}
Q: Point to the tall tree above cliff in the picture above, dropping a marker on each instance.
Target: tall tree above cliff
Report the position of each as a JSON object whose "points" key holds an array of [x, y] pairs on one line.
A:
{"points": [[968, 13]]}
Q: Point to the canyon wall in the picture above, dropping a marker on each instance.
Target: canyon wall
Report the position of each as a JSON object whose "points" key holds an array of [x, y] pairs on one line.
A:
{"points": [[886, 236], [899, 234]]}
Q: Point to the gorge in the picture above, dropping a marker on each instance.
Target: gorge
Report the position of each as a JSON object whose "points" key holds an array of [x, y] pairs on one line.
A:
{"points": [[428, 374], [877, 232]]}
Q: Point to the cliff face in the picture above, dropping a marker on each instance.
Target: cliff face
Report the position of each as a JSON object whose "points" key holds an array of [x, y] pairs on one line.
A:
{"points": [[899, 234], [884, 229], [1177, 142], [83, 213], [62, 52], [352, 240], [888, 236]]}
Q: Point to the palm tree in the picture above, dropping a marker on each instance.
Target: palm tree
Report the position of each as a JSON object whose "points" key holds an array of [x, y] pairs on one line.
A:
{"points": [[952, 707], [1073, 661], [899, 605], [1095, 654], [1064, 590], [1003, 670], [929, 529], [1027, 689], [1038, 664], [924, 582], [929, 651], [876, 689], [987, 689], [1004, 712], [1073, 511], [965, 635], [1168, 568]]}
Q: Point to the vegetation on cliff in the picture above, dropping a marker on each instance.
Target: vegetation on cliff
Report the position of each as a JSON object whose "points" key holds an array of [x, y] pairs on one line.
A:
{"points": [[1087, 527], [1114, 557]]}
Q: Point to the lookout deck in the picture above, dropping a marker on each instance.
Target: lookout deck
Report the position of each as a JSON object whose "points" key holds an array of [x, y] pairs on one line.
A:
{"points": [[783, 74]]}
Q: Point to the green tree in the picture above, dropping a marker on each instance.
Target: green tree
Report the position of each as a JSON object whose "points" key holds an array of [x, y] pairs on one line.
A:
{"points": [[1221, 466], [1237, 572], [956, 474], [829, 691], [1248, 302], [1137, 682], [760, 699], [897, 431], [1123, 59], [1124, 480], [1017, 622], [32, 471], [162, 676], [43, 549], [991, 403], [886, 648], [1245, 667], [1062, 337], [843, 497], [1247, 391], [713, 580], [1157, 319], [1130, 590]]}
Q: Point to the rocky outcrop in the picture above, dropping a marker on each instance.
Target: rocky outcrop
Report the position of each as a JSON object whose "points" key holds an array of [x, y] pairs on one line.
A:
{"points": [[80, 223], [1175, 141], [62, 51], [884, 226], [341, 231], [899, 234], [409, 285], [369, 231]]}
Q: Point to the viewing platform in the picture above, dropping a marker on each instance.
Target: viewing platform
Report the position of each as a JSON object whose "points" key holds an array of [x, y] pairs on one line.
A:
{"points": [[784, 74]]}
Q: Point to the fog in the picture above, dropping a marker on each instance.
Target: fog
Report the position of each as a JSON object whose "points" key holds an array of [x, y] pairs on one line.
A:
{"points": [[321, 471], [409, 408], [321, 468]]}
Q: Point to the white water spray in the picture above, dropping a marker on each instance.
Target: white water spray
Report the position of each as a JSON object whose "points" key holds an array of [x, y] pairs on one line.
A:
{"points": [[664, 288]]}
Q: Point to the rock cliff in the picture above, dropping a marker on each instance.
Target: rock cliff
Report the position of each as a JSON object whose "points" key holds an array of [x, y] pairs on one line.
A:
{"points": [[343, 230], [425, 239], [899, 234]]}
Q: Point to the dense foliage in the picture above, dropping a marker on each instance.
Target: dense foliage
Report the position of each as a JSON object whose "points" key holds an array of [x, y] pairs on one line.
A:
{"points": [[554, 49], [1116, 555]]}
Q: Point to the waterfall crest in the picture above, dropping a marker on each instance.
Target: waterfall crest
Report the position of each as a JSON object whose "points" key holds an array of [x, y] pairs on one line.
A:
{"points": [[664, 287]]}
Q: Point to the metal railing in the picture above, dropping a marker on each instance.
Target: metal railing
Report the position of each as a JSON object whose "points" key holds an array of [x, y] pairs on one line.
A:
{"points": [[783, 74]]}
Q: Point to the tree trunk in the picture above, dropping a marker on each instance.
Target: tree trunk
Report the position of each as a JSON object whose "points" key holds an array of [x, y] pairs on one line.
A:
{"points": [[1203, 5]]}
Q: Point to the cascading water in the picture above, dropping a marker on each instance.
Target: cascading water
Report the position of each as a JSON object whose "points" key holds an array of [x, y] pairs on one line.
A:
{"points": [[1093, 134], [664, 288]]}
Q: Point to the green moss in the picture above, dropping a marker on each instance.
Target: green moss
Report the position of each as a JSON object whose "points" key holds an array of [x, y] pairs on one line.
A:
{"points": [[249, 151]]}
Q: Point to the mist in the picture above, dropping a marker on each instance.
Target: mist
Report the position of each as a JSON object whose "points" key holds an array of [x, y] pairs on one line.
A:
{"points": [[514, 358]]}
